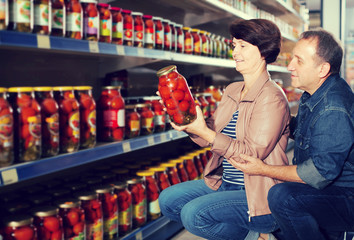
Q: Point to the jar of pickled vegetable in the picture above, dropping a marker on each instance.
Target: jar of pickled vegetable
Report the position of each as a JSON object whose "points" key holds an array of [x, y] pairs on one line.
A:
{"points": [[21, 15], [147, 118], [138, 29], [69, 119], [48, 222], [73, 218], [93, 214], [167, 34], [125, 207], [49, 120], [216, 93], [6, 131], [110, 211], [111, 115], [161, 177], [203, 157], [179, 38], [197, 162], [27, 124], [173, 36], [197, 43], [172, 172], [41, 17], [152, 194], [132, 118], [117, 25], [159, 33], [74, 19], [58, 18], [160, 114], [204, 104], [149, 32], [176, 96], [4, 14], [91, 20], [211, 102], [128, 29], [105, 23], [188, 40], [137, 188], [211, 44], [190, 168], [18, 227], [87, 116], [205, 43]]}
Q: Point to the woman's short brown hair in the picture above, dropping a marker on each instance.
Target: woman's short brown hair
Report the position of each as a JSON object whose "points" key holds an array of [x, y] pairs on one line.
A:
{"points": [[259, 32]]}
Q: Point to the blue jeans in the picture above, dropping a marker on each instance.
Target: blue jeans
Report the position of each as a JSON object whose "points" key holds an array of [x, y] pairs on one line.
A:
{"points": [[304, 212], [210, 214]]}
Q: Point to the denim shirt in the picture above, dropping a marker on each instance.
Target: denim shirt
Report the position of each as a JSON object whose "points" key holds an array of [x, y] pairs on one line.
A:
{"points": [[324, 135]]}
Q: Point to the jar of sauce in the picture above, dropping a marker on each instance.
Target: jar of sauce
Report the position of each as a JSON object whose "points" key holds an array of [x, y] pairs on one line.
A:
{"points": [[48, 222], [128, 22], [6, 131], [197, 43], [21, 15], [182, 173], [160, 114], [105, 23], [212, 103], [197, 162], [161, 177], [188, 40], [149, 32], [179, 38], [117, 25], [125, 207], [167, 35], [138, 191], [41, 17], [132, 118], [58, 18], [159, 33], [18, 225], [74, 19], [91, 20], [204, 104], [138, 29], [147, 118], [172, 172], [190, 168], [173, 36], [203, 157], [205, 43], [216, 93]]}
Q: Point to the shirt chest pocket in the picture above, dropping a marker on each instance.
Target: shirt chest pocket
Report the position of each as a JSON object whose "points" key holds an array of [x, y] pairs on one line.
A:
{"points": [[301, 141]]}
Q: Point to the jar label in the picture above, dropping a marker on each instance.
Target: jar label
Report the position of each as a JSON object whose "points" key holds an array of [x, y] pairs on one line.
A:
{"points": [[128, 34], [160, 120], [125, 217], [167, 39], [73, 22], [53, 126], [149, 37], [22, 13], [2, 9], [139, 210], [188, 46], [180, 41], [139, 35], [205, 48], [81, 236], [74, 123], [114, 118], [134, 125], [147, 122], [41, 14], [57, 18], [154, 207], [91, 25], [6, 131], [159, 37], [91, 120], [105, 27], [111, 224], [117, 30], [34, 126], [196, 48], [94, 231]]}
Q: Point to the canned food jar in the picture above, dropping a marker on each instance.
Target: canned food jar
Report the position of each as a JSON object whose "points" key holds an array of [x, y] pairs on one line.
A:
{"points": [[21, 16], [4, 14], [137, 188], [117, 25], [197, 162], [161, 177], [203, 157], [176, 96], [216, 93], [69, 119], [6, 131], [87, 116], [204, 104], [138, 29], [211, 102], [18, 227], [197, 43], [91, 20], [105, 22], [173, 36], [188, 40], [49, 120], [27, 124], [159, 33], [182, 173], [205, 43], [152, 194], [167, 35], [160, 114], [128, 29], [172, 172], [132, 118], [41, 23], [125, 207], [74, 19], [73, 218], [58, 18], [211, 44], [48, 222], [149, 32], [190, 167], [147, 118], [179, 38]]}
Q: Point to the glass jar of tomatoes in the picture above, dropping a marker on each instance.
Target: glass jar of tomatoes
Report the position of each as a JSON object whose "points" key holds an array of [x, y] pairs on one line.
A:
{"points": [[132, 118], [41, 17], [48, 222], [110, 211], [93, 214], [21, 16], [125, 207], [173, 36], [179, 38], [18, 227], [27, 124], [172, 172], [176, 96], [87, 116], [211, 102], [160, 114], [152, 194], [137, 188], [91, 20], [127, 27], [197, 162], [105, 22], [190, 167], [73, 218], [216, 93], [111, 115], [58, 18], [147, 118], [203, 157], [159, 33], [167, 34], [69, 119], [204, 104], [49, 119], [197, 43], [188, 40], [117, 25], [6, 130], [149, 32], [138, 29], [161, 177], [74, 19]]}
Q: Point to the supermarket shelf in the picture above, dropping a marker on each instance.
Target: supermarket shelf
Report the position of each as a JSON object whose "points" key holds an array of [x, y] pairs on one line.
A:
{"points": [[25, 171]]}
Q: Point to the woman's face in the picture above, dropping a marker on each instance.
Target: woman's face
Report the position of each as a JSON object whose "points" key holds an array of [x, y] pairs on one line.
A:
{"points": [[247, 56]]}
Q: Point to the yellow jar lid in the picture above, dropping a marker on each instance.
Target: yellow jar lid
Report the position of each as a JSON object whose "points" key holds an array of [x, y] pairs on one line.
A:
{"points": [[202, 32], [177, 160], [63, 88], [157, 169], [195, 30], [145, 173], [168, 164], [43, 89], [186, 28], [186, 157], [201, 151], [193, 154], [80, 88], [3, 89], [20, 89]]}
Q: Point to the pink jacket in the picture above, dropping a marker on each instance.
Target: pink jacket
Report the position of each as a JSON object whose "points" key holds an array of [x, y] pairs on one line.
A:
{"points": [[262, 131]]}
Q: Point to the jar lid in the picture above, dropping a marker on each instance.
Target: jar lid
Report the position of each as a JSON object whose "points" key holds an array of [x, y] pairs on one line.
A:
{"points": [[137, 13], [186, 28], [186, 157], [20, 89], [105, 5], [145, 173], [141, 105], [68, 203], [18, 220], [44, 211], [63, 88], [126, 11], [178, 25], [166, 70], [166, 21], [43, 89], [82, 88], [134, 180], [157, 18], [3, 89], [111, 87], [103, 189], [86, 195], [157, 169], [130, 106], [116, 8], [177, 160], [147, 16], [168, 164], [119, 185], [195, 30], [202, 31]]}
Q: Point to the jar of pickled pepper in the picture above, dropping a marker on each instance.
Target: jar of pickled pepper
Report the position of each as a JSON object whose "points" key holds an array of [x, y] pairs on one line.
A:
{"points": [[111, 115], [87, 116], [21, 15], [58, 18], [49, 120], [27, 124], [41, 17], [160, 114], [91, 20], [18, 227], [173, 36], [188, 40], [48, 222], [190, 167], [74, 19], [138, 29], [73, 218], [149, 32], [172, 172], [4, 14], [204, 104], [205, 43], [159, 33], [93, 214], [117, 25], [176, 96], [132, 118], [125, 207], [105, 23], [197, 162], [197, 43], [69, 119], [127, 27], [6, 131], [161, 177], [167, 35], [138, 191], [152, 194], [179, 38], [147, 118]]}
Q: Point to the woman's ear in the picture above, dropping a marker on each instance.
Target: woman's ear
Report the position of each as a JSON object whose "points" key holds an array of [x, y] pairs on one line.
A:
{"points": [[325, 70]]}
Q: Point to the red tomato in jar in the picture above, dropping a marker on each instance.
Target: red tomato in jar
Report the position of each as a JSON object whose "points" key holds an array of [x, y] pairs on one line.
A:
{"points": [[164, 92], [171, 112], [78, 228], [51, 223], [50, 106], [35, 105], [178, 118], [182, 84], [3, 103], [24, 233], [86, 101], [118, 134], [178, 95], [172, 75], [67, 106], [183, 105], [117, 103], [193, 111], [27, 112], [171, 103], [73, 217], [24, 100], [163, 80], [58, 235], [172, 84]]}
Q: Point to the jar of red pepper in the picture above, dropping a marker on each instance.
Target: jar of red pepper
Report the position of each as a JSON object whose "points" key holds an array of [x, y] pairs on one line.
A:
{"points": [[69, 119], [58, 19], [137, 188], [41, 17], [161, 177], [149, 32], [172, 172], [197, 43], [6, 131], [87, 116], [74, 19], [167, 35], [188, 40], [160, 114], [197, 162], [27, 124], [179, 38], [147, 118], [138, 29], [48, 222], [159, 33], [190, 167], [128, 29], [111, 115], [18, 227], [205, 43], [91, 20], [105, 22], [125, 207], [49, 119], [132, 119], [117, 25]]}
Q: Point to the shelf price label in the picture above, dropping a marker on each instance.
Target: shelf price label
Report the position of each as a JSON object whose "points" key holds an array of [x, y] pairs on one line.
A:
{"points": [[9, 176], [126, 147], [139, 236], [151, 141], [120, 50], [163, 137], [140, 52], [43, 41], [93, 47]]}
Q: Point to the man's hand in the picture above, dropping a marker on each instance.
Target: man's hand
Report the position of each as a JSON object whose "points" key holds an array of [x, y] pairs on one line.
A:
{"points": [[250, 165]]}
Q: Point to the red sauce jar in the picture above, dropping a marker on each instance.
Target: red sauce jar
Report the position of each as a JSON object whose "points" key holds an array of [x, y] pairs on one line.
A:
{"points": [[204, 104], [167, 35], [212, 103], [111, 115], [190, 168], [205, 43], [58, 18], [197, 162], [179, 38], [171, 172], [127, 27], [74, 19], [137, 188], [197, 43], [159, 33], [18, 227], [160, 114], [216, 93], [91, 20], [125, 207], [117, 25], [211, 44], [49, 120], [138, 29], [149, 32], [69, 119], [161, 177], [188, 40], [147, 118], [176, 96], [41, 21], [48, 222], [105, 22], [173, 36], [132, 118], [27, 124], [87, 116], [6, 131], [21, 16]]}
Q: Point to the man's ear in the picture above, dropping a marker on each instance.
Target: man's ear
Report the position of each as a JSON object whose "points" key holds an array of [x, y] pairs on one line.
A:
{"points": [[325, 69]]}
